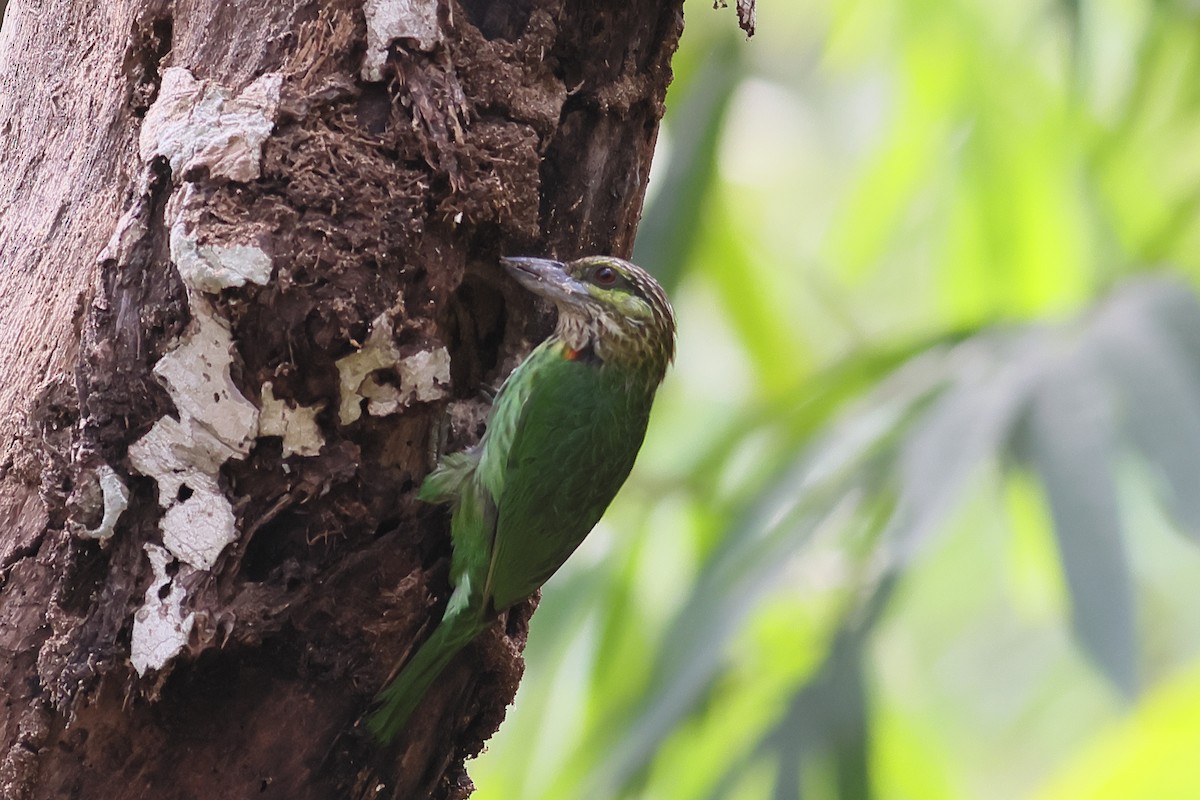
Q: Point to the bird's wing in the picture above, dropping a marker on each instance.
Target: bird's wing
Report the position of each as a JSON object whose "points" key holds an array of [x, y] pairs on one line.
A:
{"points": [[571, 447], [445, 483], [477, 481]]}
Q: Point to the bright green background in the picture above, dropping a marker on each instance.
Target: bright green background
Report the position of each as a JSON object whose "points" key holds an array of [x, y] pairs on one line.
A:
{"points": [[917, 514]]}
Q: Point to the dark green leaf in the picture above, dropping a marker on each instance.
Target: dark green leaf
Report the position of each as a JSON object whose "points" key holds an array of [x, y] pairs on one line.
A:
{"points": [[965, 426], [1148, 337], [1067, 437]]}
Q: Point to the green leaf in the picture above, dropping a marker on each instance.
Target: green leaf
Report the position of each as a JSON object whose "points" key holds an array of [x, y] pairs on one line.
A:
{"points": [[1067, 436], [667, 236], [1148, 338], [801, 412], [968, 424]]}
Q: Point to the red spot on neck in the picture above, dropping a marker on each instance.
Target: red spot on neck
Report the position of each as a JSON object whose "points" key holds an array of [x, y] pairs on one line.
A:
{"points": [[570, 354]]}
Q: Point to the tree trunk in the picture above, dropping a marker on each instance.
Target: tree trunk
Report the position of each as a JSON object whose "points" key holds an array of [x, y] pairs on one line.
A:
{"points": [[247, 268]]}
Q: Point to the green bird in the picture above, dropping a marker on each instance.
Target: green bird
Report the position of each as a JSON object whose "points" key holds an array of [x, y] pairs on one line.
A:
{"points": [[561, 438]]}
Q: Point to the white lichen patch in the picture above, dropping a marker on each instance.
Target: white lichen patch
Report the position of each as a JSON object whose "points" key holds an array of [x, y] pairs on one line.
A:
{"points": [[160, 628], [197, 529], [216, 422], [389, 20], [212, 268], [425, 376], [197, 377], [295, 424], [215, 266], [181, 458], [378, 352], [201, 124], [421, 377], [382, 398], [116, 500], [199, 520]]}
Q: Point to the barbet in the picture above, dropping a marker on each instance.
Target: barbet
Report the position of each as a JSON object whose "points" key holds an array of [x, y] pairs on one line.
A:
{"points": [[562, 436]]}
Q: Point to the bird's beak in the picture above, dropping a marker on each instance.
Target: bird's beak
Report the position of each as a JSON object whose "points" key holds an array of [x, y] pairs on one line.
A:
{"points": [[547, 278]]}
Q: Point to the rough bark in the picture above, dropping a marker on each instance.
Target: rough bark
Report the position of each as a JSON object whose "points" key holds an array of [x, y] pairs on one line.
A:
{"points": [[247, 265]]}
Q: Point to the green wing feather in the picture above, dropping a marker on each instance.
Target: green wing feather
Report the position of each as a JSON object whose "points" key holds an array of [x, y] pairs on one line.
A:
{"points": [[445, 484], [572, 447]]}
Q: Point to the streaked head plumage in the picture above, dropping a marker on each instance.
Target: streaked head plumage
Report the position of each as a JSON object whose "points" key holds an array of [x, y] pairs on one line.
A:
{"points": [[605, 303]]}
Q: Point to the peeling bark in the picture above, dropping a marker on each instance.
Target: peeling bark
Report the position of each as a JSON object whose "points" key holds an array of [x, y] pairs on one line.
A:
{"points": [[247, 265]]}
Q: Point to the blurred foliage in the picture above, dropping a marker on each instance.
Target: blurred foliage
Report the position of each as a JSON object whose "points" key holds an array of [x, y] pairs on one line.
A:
{"points": [[917, 514]]}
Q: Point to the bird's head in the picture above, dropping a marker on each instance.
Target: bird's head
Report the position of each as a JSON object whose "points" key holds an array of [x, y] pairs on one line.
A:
{"points": [[606, 304]]}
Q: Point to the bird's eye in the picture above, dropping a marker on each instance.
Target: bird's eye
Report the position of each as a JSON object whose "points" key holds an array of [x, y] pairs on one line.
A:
{"points": [[605, 276]]}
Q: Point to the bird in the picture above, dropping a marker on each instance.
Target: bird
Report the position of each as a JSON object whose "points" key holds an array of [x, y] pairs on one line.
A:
{"points": [[562, 436]]}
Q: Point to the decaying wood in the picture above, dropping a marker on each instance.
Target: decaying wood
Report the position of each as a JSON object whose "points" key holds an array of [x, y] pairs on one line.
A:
{"points": [[247, 264]]}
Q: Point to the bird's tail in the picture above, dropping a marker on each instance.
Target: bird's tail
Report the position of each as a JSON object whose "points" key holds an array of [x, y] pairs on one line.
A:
{"points": [[397, 701]]}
